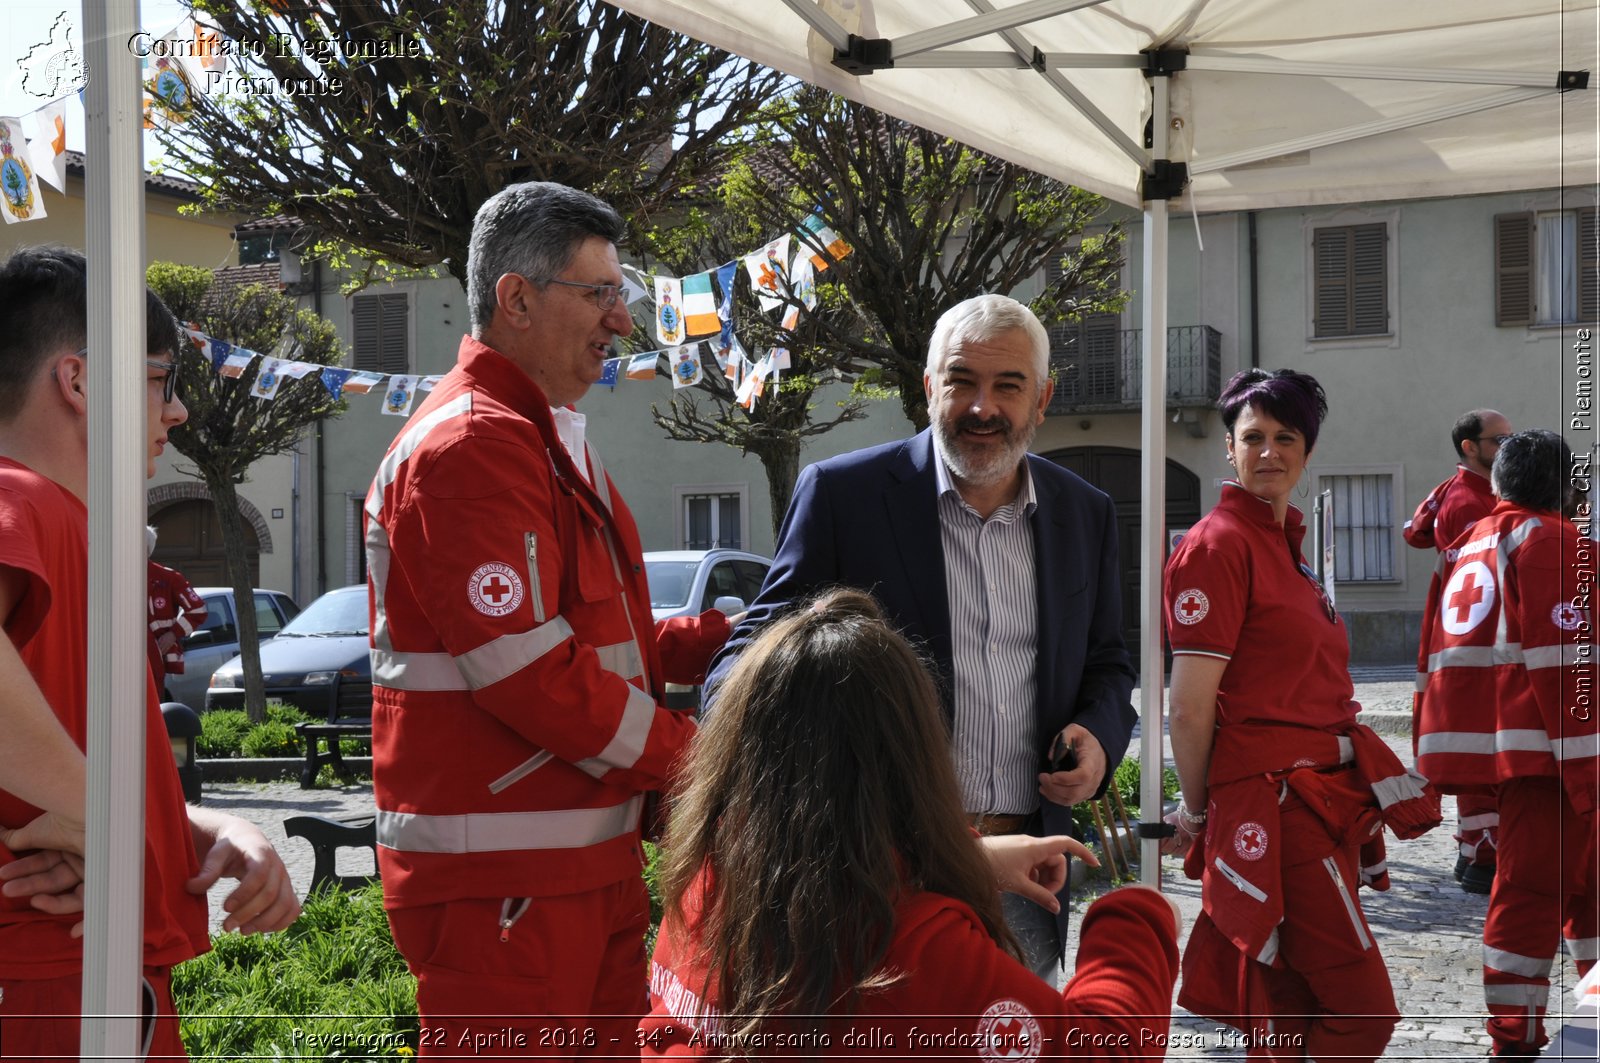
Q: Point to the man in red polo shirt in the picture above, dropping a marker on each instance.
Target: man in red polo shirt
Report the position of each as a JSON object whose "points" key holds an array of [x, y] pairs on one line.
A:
{"points": [[1441, 519]]}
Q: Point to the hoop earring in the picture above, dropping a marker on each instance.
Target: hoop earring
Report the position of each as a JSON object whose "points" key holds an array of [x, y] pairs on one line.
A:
{"points": [[1305, 485]]}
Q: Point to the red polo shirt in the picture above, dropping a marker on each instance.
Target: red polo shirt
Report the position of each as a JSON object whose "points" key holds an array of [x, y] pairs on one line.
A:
{"points": [[1237, 588]]}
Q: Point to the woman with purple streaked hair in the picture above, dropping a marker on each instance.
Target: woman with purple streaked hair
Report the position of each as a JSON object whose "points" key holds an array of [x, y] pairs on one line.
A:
{"points": [[1279, 818]]}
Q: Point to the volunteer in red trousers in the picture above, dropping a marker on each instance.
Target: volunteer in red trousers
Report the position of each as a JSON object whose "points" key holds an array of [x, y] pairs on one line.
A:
{"points": [[175, 611], [1507, 700], [1284, 794], [516, 669], [823, 785], [1442, 518]]}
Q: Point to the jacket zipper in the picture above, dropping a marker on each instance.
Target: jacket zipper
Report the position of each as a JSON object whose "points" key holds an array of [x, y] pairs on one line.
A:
{"points": [[512, 909], [1349, 902]]}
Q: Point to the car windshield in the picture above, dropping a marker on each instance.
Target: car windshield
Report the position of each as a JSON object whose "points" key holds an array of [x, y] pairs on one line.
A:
{"points": [[671, 583], [338, 613]]}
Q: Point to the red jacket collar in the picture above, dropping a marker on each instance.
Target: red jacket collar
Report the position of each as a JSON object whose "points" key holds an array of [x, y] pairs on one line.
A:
{"points": [[1235, 499]]}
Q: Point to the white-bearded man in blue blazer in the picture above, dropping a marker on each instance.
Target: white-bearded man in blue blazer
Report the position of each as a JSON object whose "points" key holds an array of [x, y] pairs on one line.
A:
{"points": [[1001, 566]]}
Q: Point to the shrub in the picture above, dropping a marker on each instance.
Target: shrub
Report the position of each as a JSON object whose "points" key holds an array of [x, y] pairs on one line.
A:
{"points": [[271, 739], [222, 732], [334, 972]]}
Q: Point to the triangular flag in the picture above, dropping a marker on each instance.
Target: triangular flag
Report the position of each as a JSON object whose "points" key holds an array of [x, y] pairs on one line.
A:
{"points": [[609, 372], [362, 383], [196, 337], [765, 267], [333, 379], [48, 149], [632, 290], [298, 370], [803, 280], [685, 362], [236, 362], [821, 236], [699, 306], [734, 365], [220, 349], [725, 274], [268, 380], [399, 396], [669, 310], [643, 366], [19, 189], [745, 394]]}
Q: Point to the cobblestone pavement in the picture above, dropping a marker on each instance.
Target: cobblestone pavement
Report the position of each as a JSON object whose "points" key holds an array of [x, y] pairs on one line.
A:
{"points": [[1428, 929]]}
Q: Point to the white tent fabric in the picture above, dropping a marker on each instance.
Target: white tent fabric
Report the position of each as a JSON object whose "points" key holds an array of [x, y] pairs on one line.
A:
{"points": [[1404, 61], [1277, 103]]}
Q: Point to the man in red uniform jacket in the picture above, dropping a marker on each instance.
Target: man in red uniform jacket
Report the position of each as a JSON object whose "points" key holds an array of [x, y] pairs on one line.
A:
{"points": [[1508, 625], [517, 673], [1442, 518], [175, 612], [44, 580]]}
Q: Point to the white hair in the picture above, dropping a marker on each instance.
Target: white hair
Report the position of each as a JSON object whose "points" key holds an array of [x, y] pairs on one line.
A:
{"points": [[981, 318]]}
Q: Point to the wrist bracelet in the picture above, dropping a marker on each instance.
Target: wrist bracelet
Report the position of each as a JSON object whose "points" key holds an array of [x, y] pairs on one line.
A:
{"points": [[1187, 816]]}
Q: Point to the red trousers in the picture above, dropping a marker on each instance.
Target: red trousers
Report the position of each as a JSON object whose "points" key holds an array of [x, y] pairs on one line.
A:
{"points": [[1544, 892], [1478, 828], [40, 1019], [566, 979]]}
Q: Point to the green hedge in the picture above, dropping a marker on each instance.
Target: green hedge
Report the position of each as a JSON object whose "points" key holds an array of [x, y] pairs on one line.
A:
{"points": [[229, 733]]}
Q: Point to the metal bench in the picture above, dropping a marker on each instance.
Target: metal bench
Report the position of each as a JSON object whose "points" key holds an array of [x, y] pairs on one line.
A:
{"points": [[315, 735], [327, 837]]}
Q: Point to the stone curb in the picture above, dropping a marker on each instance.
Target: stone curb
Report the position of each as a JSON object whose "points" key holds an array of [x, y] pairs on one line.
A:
{"points": [[1387, 723], [266, 769]]}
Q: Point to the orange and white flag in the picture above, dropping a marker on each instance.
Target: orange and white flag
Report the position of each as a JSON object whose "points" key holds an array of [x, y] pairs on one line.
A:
{"points": [[48, 148]]}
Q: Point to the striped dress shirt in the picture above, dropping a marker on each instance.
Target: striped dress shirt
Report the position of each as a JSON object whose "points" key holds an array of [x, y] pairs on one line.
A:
{"points": [[989, 581]]}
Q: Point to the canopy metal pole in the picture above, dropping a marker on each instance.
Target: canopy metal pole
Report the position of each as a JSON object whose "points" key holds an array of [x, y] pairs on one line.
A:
{"points": [[118, 670], [1152, 498]]}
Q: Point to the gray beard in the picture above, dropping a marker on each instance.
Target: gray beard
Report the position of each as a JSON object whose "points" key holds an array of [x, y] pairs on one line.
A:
{"points": [[980, 470]]}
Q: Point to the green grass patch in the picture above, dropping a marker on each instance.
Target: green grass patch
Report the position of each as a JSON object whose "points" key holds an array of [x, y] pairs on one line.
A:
{"points": [[332, 986]]}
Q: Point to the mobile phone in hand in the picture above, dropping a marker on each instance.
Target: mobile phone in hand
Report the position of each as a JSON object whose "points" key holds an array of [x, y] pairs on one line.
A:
{"points": [[1063, 755]]}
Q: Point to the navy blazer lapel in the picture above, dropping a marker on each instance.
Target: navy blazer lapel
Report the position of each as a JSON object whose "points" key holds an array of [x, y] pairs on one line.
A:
{"points": [[911, 499], [1049, 518]]}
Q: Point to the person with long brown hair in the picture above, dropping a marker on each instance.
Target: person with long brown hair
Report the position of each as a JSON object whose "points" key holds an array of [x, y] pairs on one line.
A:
{"points": [[822, 885]]}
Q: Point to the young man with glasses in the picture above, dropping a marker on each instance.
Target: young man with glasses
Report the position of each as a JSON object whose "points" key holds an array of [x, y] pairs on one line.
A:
{"points": [[1441, 519], [517, 672], [44, 560]]}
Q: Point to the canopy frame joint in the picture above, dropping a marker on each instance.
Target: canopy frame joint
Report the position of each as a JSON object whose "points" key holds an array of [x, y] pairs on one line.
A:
{"points": [[1164, 62], [1164, 180], [863, 55], [1567, 80]]}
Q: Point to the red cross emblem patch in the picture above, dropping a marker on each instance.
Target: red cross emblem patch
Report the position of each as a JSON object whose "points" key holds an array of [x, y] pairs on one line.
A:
{"points": [[1250, 841], [494, 589], [1567, 616], [1007, 1031], [1467, 598], [1191, 606]]}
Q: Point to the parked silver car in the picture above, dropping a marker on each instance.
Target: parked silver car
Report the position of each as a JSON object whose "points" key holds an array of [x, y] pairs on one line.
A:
{"points": [[217, 640], [688, 582]]}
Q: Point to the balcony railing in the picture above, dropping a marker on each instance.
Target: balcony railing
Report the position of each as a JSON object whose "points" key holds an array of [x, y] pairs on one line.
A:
{"points": [[1101, 368]]}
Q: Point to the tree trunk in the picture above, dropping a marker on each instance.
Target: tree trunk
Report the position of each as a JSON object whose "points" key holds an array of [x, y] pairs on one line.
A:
{"points": [[226, 499], [782, 464]]}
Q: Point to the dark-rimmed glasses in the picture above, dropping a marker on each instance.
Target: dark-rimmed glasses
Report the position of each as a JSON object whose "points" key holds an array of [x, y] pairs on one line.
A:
{"points": [[1499, 440], [169, 383], [605, 295]]}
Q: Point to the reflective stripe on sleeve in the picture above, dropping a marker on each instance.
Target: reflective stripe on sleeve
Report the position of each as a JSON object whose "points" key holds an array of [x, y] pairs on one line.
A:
{"points": [[1577, 748], [623, 658], [1516, 996], [1482, 821], [490, 832], [1521, 741], [1562, 655], [627, 745], [1517, 964], [474, 670]]}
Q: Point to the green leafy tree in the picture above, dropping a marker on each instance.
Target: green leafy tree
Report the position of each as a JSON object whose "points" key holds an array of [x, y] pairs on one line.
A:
{"points": [[929, 221], [395, 164], [229, 429]]}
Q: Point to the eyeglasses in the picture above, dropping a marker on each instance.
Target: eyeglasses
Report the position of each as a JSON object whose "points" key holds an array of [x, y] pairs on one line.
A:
{"points": [[1499, 440], [605, 295], [169, 383]]}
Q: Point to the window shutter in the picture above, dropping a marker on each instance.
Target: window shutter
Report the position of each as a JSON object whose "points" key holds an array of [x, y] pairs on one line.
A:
{"points": [[382, 343], [1331, 254], [1369, 279], [1589, 266], [1513, 268]]}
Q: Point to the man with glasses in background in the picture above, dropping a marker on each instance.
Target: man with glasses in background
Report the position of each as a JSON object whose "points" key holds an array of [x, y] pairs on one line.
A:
{"points": [[44, 583], [1441, 519], [517, 672]]}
